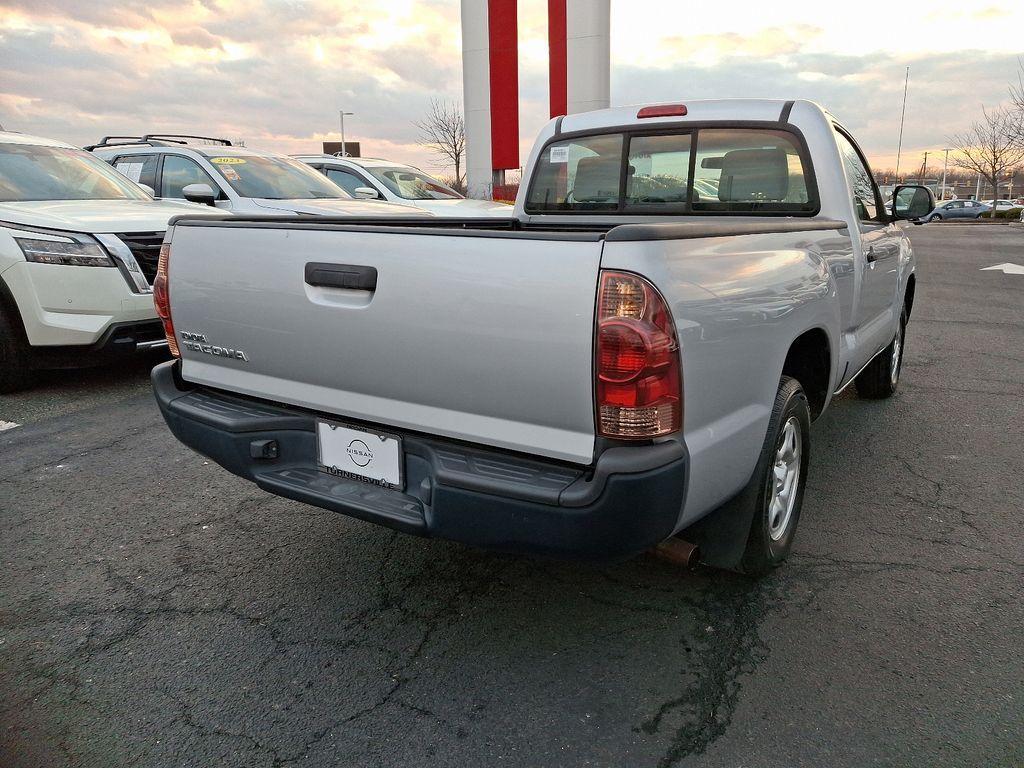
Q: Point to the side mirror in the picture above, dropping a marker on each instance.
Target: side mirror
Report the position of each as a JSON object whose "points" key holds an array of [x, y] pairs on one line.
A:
{"points": [[912, 202], [149, 189], [366, 193], [199, 193]]}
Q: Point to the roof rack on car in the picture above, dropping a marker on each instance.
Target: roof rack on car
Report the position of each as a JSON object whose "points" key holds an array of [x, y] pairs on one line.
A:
{"points": [[177, 137], [154, 140]]}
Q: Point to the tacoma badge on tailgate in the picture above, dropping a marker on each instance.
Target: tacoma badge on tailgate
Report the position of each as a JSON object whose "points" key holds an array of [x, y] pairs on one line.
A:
{"points": [[199, 343]]}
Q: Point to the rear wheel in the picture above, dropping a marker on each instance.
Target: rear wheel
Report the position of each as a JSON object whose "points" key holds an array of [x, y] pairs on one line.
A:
{"points": [[779, 481], [15, 373], [882, 376]]}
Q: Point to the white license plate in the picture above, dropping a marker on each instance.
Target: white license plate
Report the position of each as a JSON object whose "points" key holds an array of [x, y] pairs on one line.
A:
{"points": [[355, 453]]}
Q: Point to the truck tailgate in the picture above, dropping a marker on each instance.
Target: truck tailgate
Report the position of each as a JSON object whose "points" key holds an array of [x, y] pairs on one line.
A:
{"points": [[479, 337]]}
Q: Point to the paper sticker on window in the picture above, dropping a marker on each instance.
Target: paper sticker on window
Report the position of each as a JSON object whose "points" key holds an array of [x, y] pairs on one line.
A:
{"points": [[227, 160], [559, 154], [132, 170], [230, 174]]}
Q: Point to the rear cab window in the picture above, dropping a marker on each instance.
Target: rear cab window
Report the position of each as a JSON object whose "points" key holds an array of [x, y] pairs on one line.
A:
{"points": [[693, 170]]}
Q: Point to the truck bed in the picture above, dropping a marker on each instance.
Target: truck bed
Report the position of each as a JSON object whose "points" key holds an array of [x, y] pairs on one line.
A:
{"points": [[489, 344]]}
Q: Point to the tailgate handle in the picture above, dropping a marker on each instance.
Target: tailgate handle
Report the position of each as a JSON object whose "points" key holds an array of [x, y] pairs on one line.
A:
{"points": [[349, 276]]}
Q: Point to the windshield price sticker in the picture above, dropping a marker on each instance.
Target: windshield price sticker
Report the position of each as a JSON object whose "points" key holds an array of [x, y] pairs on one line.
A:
{"points": [[559, 154], [227, 160]]}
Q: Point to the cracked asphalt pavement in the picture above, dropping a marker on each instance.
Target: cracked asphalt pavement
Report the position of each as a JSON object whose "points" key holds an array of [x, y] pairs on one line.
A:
{"points": [[156, 611]]}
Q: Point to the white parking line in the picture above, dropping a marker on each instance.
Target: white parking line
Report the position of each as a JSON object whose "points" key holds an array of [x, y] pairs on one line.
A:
{"points": [[8, 425]]}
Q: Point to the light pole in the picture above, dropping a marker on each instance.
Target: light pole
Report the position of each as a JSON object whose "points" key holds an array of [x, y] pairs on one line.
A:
{"points": [[924, 169], [341, 114], [945, 164]]}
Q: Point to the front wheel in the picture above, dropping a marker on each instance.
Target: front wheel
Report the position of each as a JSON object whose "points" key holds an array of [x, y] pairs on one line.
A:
{"points": [[882, 376], [779, 481], [935, 217]]}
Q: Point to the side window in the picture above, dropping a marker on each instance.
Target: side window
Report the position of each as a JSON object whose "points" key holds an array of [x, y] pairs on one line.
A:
{"points": [[346, 180], [179, 172], [138, 168], [860, 181], [658, 170]]}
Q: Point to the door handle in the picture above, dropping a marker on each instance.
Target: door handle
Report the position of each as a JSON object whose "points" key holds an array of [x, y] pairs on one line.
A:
{"points": [[350, 276]]}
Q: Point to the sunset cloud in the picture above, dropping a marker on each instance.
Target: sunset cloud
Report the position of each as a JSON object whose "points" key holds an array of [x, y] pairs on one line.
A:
{"points": [[275, 72]]}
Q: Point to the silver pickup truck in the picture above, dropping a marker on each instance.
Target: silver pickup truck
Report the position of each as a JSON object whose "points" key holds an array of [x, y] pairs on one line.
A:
{"points": [[636, 353]]}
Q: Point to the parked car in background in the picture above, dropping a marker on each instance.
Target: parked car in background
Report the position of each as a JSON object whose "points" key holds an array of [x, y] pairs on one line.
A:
{"points": [[957, 209], [234, 179], [79, 245], [371, 179], [638, 353], [1001, 205]]}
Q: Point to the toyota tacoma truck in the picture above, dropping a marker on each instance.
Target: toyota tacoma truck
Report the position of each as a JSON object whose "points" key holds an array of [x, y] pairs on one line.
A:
{"points": [[636, 355]]}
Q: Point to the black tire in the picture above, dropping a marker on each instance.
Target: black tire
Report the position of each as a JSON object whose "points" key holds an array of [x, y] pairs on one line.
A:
{"points": [[772, 531], [15, 372], [935, 217], [881, 378]]}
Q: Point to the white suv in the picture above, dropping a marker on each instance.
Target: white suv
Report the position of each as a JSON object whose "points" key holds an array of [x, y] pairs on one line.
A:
{"points": [[236, 179], [372, 179], [79, 246]]}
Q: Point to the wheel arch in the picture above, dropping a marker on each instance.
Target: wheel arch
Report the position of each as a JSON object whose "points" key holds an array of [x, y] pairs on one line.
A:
{"points": [[908, 294], [9, 307], [809, 361]]}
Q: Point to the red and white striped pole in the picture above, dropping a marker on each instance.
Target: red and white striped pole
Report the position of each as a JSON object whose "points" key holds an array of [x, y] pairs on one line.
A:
{"points": [[579, 55], [490, 82], [579, 74]]}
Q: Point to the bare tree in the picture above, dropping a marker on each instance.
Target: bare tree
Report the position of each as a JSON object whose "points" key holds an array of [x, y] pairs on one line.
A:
{"points": [[443, 131], [991, 147], [1017, 103]]}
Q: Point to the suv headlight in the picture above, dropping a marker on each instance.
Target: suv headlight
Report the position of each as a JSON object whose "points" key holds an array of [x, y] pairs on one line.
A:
{"points": [[71, 250]]}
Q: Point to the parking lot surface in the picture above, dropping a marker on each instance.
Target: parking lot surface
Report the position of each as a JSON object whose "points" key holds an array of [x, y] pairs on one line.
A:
{"points": [[156, 611]]}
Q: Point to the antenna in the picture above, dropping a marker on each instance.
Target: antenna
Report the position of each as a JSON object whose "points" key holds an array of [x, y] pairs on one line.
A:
{"points": [[899, 147]]}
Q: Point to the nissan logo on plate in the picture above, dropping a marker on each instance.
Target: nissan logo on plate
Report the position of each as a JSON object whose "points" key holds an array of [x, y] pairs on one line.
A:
{"points": [[360, 453]]}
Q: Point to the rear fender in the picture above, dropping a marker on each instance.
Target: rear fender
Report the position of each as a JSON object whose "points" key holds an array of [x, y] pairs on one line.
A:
{"points": [[739, 303]]}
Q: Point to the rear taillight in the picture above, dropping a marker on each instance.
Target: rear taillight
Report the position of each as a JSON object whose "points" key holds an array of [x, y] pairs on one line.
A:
{"points": [[162, 298], [639, 381]]}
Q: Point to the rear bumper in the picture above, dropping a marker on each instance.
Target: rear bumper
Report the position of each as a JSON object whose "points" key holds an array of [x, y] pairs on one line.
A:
{"points": [[626, 502]]}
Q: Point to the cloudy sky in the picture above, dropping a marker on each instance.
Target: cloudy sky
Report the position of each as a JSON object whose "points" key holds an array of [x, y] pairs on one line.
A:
{"points": [[275, 72]]}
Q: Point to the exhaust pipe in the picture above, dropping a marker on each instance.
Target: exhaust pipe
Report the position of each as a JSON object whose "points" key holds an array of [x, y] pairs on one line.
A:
{"points": [[678, 552]]}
